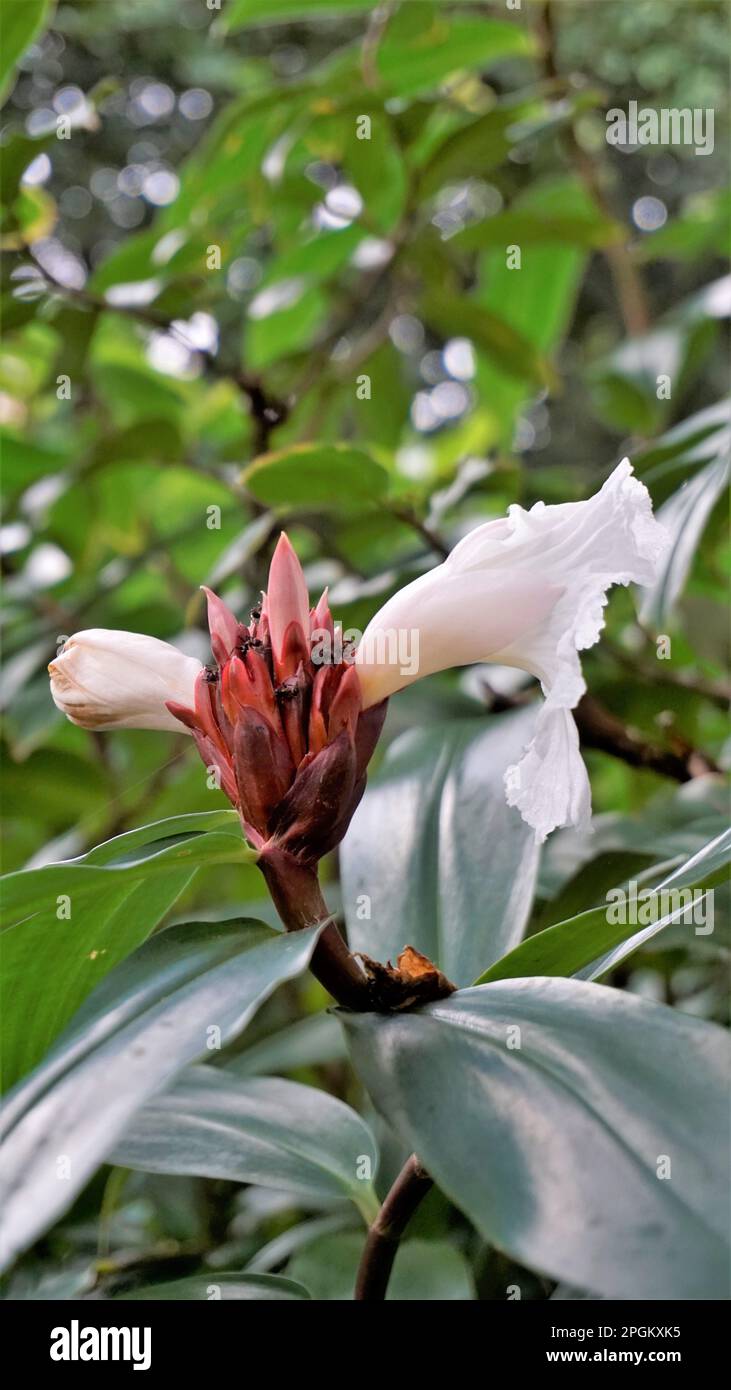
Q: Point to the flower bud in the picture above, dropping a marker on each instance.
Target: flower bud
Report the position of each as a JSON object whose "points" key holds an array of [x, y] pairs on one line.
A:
{"points": [[288, 734], [104, 679]]}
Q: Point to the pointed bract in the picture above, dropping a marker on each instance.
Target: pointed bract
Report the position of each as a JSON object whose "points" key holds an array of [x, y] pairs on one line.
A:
{"points": [[287, 603], [222, 625]]}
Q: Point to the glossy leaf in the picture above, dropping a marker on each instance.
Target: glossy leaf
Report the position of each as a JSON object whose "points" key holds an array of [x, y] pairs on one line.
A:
{"points": [[146, 1022], [581, 1152], [218, 1286], [108, 921], [214, 1123], [570, 946], [445, 864], [73, 922], [422, 45], [684, 517], [703, 873], [314, 1041]]}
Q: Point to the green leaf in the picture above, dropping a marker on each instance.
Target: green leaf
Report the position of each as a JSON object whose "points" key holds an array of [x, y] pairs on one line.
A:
{"points": [[537, 301], [21, 21], [18, 152], [483, 143], [49, 964], [24, 462], [147, 1021], [700, 228], [277, 1251], [424, 1270], [684, 517], [205, 837], [423, 45], [314, 1041], [702, 873], [700, 438], [241, 14], [447, 865], [263, 1130], [569, 946], [511, 351], [554, 1139], [283, 332], [314, 476], [221, 1285], [515, 227], [72, 922], [626, 380]]}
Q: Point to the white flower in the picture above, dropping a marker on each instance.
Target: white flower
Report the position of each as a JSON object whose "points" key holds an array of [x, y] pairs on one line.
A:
{"points": [[120, 680], [527, 590]]}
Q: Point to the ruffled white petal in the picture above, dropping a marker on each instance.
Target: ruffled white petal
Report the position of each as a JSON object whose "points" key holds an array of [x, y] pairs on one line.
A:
{"points": [[587, 547], [527, 590]]}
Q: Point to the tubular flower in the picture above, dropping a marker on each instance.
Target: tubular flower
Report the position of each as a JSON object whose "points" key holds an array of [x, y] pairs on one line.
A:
{"points": [[287, 734], [121, 680], [527, 590]]}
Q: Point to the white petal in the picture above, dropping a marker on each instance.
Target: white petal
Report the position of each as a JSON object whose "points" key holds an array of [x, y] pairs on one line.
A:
{"points": [[550, 785], [527, 590], [104, 679]]}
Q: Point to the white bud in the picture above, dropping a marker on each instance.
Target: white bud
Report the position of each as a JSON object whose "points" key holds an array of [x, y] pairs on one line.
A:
{"points": [[121, 680]]}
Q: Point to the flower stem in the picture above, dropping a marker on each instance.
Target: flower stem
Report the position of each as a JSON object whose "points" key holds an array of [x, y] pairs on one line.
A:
{"points": [[295, 890], [297, 897], [409, 1189]]}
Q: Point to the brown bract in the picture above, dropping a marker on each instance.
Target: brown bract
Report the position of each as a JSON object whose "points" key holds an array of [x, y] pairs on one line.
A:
{"points": [[413, 980]]}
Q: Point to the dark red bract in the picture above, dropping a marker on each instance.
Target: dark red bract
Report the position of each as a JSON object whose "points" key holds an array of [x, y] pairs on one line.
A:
{"points": [[287, 734]]}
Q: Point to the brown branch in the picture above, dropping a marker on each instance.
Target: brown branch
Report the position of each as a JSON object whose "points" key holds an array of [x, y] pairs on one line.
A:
{"points": [[630, 287], [377, 26], [410, 518], [718, 692], [599, 728], [409, 1189]]}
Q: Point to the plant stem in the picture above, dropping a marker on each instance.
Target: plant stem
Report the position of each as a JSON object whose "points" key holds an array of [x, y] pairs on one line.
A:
{"points": [[409, 1189], [296, 894]]}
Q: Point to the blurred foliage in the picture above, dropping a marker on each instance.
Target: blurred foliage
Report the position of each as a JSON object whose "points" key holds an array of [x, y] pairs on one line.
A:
{"points": [[260, 268]]}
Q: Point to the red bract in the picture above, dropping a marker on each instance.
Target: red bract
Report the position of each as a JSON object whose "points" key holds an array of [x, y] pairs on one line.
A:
{"points": [[286, 732]]}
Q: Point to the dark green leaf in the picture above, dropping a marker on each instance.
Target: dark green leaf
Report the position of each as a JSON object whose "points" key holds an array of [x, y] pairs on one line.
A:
{"points": [[435, 857], [217, 1285], [214, 1123], [147, 1021], [547, 1111], [511, 351], [569, 946], [684, 517]]}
